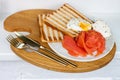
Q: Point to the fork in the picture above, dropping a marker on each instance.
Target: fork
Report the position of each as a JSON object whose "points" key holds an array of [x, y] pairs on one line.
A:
{"points": [[20, 45]]}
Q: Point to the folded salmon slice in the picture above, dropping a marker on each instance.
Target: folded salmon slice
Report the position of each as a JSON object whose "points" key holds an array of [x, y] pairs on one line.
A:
{"points": [[91, 41], [70, 44]]}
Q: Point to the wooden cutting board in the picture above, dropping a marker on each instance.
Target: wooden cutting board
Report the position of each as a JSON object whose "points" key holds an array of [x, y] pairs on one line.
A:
{"points": [[27, 21]]}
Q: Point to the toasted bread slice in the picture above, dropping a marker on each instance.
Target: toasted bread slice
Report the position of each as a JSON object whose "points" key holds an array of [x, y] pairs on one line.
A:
{"points": [[48, 33], [62, 16]]}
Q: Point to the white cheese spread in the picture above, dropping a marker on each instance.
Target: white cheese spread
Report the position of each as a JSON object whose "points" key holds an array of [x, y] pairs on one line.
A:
{"points": [[103, 28]]}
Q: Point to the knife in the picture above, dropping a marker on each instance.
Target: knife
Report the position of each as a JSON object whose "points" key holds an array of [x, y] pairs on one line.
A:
{"points": [[37, 46]]}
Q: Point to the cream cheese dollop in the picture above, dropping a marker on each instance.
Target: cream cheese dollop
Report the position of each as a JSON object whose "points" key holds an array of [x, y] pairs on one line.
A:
{"points": [[102, 27]]}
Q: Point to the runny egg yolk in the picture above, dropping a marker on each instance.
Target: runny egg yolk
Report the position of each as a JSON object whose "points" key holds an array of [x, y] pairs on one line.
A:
{"points": [[85, 26]]}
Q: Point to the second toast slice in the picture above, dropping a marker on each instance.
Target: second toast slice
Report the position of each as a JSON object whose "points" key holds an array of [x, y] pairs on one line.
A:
{"points": [[48, 33]]}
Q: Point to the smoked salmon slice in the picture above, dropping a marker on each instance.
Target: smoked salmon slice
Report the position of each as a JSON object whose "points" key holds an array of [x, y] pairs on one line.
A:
{"points": [[70, 44], [91, 41]]}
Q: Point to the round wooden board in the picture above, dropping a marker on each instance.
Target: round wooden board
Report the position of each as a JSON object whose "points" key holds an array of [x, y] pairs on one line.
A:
{"points": [[27, 21]]}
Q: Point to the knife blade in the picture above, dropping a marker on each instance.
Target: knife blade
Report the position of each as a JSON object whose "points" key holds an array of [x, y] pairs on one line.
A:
{"points": [[37, 46], [27, 40]]}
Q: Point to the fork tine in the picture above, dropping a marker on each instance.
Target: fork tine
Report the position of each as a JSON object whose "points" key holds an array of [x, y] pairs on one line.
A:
{"points": [[9, 38], [12, 40]]}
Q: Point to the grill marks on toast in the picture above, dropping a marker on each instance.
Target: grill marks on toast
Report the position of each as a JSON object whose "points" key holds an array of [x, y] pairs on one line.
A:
{"points": [[62, 16], [48, 33]]}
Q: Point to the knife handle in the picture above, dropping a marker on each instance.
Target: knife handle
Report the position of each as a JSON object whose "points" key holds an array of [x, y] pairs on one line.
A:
{"points": [[58, 57], [50, 57]]}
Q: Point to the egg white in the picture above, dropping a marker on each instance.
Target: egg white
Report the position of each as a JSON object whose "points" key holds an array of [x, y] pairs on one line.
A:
{"points": [[74, 24]]}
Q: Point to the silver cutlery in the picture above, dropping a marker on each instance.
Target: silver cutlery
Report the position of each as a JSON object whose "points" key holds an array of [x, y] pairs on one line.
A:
{"points": [[20, 45], [35, 44]]}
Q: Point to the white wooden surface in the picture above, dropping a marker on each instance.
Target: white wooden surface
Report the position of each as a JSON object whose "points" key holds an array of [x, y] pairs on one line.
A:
{"points": [[14, 68]]}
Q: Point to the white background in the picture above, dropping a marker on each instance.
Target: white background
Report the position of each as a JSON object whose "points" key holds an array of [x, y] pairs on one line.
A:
{"points": [[12, 67]]}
